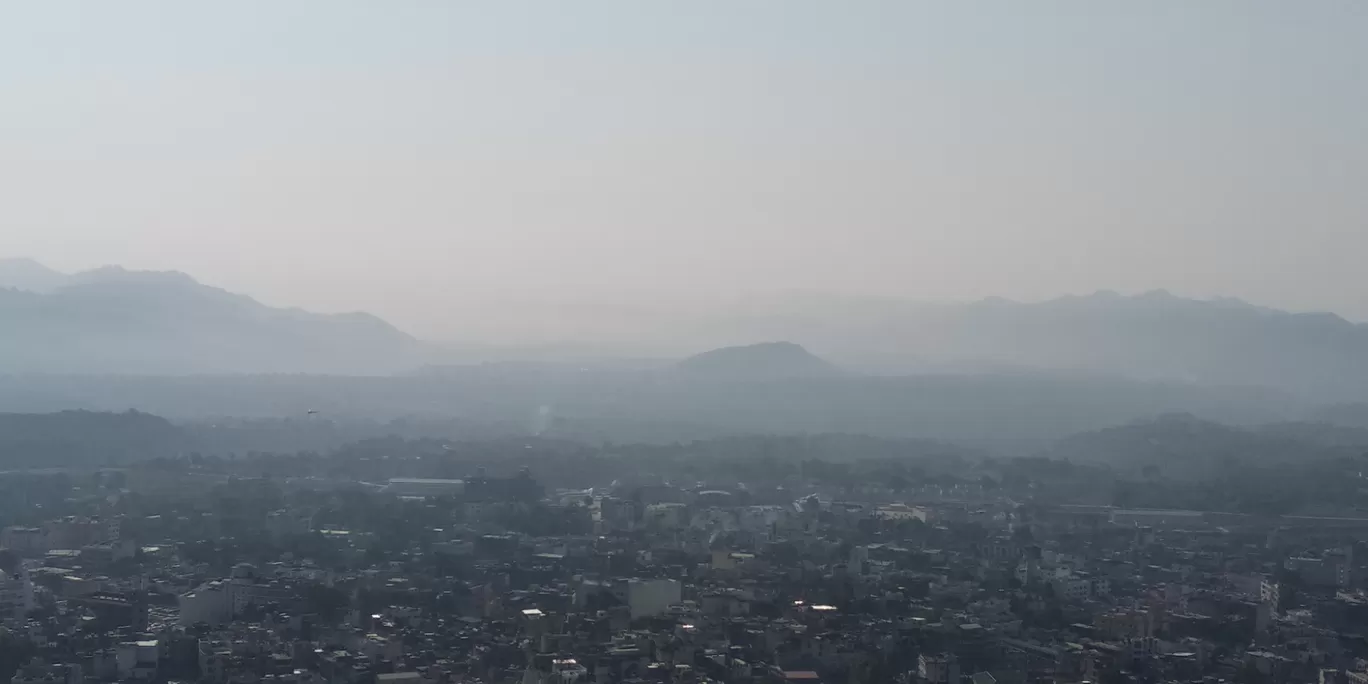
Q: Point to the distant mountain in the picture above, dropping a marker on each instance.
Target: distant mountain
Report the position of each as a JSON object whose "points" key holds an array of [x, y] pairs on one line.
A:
{"points": [[1154, 336], [765, 361], [30, 276], [111, 320]]}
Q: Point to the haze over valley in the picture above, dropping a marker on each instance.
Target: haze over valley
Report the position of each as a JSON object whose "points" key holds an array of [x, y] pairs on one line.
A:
{"points": [[994, 374]]}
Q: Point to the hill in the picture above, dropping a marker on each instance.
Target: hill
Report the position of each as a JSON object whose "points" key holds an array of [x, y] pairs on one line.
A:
{"points": [[1184, 446], [29, 275], [765, 361], [128, 322], [84, 438]]}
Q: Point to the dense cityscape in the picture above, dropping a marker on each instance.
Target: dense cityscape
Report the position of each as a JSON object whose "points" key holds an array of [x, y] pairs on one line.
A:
{"points": [[538, 562]]}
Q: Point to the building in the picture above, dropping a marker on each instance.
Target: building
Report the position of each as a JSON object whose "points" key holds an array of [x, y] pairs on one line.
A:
{"points": [[1270, 592], [938, 669], [519, 488], [137, 660], [283, 524], [423, 487], [39, 673], [1125, 624], [900, 512], [113, 610], [1319, 572], [611, 514], [74, 532], [16, 594], [1073, 588], [218, 601], [25, 541], [646, 598], [666, 516], [211, 603]]}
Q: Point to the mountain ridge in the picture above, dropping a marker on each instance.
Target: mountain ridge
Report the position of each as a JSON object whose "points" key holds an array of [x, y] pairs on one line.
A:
{"points": [[167, 322], [1154, 336], [113, 320], [29, 275]]}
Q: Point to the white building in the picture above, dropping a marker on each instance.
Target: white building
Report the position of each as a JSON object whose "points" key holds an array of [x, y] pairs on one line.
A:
{"points": [[218, 601]]}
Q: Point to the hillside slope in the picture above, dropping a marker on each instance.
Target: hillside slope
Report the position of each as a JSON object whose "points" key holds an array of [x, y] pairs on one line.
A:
{"points": [[765, 361]]}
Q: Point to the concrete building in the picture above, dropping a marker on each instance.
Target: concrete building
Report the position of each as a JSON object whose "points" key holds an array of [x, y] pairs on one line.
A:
{"points": [[1334, 569], [283, 524], [938, 669], [39, 673], [25, 541], [74, 532], [651, 597], [137, 660], [218, 601], [211, 603], [666, 516], [16, 594]]}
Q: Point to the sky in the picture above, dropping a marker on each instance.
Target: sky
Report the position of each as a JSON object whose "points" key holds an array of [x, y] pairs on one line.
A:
{"points": [[453, 166]]}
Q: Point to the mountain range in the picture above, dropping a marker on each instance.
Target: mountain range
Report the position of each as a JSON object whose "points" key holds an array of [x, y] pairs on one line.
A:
{"points": [[114, 321], [1156, 336]]}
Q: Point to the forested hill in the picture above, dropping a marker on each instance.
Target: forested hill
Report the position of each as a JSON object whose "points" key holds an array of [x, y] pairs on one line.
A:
{"points": [[85, 438]]}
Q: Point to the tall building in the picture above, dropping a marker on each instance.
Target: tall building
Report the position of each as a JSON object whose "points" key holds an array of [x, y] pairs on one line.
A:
{"points": [[16, 594]]}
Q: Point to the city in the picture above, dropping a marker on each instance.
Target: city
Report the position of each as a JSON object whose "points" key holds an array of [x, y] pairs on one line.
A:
{"points": [[364, 567]]}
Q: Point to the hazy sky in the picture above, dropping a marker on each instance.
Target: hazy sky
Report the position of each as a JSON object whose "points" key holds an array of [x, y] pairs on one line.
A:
{"points": [[416, 158]]}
